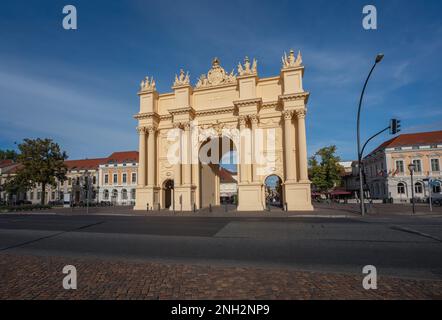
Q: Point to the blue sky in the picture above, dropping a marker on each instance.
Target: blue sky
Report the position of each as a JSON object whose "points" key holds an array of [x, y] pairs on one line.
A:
{"points": [[79, 87]]}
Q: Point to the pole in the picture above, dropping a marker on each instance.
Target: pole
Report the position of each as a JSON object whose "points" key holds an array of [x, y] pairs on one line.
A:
{"points": [[412, 191], [361, 183], [430, 189]]}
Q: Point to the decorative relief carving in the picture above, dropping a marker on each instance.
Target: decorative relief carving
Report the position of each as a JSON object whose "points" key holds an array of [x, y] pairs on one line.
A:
{"points": [[246, 70], [147, 84], [216, 76], [182, 79], [141, 130], [291, 61]]}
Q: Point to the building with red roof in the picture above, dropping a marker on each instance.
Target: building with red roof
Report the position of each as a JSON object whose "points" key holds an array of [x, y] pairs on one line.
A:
{"points": [[387, 170]]}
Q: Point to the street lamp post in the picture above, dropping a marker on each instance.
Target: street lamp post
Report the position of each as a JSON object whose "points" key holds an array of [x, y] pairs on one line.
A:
{"points": [[361, 183], [411, 167]]}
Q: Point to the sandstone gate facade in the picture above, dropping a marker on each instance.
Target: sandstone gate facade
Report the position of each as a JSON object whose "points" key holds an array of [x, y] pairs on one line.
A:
{"points": [[271, 108]]}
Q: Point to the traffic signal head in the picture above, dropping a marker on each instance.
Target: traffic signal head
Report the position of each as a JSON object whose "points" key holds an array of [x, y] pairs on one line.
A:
{"points": [[395, 126]]}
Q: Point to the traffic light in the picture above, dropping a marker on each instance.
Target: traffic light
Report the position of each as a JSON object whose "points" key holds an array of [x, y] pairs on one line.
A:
{"points": [[395, 126]]}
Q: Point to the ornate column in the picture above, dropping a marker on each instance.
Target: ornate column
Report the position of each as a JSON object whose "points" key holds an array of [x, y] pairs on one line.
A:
{"points": [[187, 155], [142, 157], [289, 156], [151, 154], [302, 146], [243, 172], [254, 124], [177, 168]]}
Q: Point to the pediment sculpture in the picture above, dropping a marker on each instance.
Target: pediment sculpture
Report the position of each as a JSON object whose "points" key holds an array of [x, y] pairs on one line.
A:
{"points": [[215, 76], [290, 60], [182, 79], [147, 84], [247, 69]]}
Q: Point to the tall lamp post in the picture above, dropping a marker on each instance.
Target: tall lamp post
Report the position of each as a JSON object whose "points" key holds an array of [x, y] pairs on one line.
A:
{"points": [[361, 183], [411, 167]]}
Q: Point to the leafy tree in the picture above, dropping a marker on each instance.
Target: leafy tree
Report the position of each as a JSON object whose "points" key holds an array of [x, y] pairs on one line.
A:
{"points": [[325, 170], [8, 154], [41, 162]]}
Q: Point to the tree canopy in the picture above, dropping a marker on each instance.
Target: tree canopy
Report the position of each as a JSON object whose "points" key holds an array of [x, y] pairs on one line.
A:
{"points": [[325, 170], [41, 162], [8, 154]]}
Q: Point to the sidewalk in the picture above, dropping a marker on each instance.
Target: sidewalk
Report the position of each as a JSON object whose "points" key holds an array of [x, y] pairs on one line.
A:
{"points": [[32, 277], [321, 210]]}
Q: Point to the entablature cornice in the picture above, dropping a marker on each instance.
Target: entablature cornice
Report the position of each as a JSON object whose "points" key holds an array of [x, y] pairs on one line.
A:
{"points": [[248, 102], [185, 110], [295, 96], [147, 115], [214, 111]]}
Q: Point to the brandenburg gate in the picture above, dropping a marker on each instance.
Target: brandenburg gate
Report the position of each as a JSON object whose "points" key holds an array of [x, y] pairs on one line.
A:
{"points": [[260, 120]]}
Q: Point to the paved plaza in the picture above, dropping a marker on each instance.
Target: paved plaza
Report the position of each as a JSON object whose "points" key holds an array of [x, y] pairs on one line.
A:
{"points": [[274, 255]]}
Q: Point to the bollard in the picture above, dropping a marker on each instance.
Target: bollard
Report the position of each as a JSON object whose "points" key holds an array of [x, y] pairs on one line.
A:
{"points": [[286, 207], [210, 207], [159, 206], [147, 207], [194, 207]]}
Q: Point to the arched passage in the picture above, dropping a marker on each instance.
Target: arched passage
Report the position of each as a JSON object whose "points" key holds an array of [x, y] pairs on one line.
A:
{"points": [[273, 191], [168, 187], [217, 171]]}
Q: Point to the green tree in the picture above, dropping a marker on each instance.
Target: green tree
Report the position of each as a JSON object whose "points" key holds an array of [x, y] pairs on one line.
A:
{"points": [[41, 162], [324, 168], [8, 154]]}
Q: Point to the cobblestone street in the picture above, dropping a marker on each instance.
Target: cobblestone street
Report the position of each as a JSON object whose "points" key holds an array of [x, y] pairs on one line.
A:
{"points": [[33, 277]]}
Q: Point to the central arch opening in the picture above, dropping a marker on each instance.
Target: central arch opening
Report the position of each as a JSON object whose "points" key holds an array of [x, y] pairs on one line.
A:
{"points": [[218, 172]]}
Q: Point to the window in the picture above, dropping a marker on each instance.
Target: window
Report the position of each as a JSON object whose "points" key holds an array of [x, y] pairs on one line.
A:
{"points": [[435, 165], [124, 178], [53, 195], [400, 166], [132, 194], [94, 180], [124, 194], [69, 181], [417, 166], [114, 194], [115, 178], [39, 195], [401, 188], [106, 179], [134, 177], [436, 187], [418, 187], [31, 195], [106, 194]]}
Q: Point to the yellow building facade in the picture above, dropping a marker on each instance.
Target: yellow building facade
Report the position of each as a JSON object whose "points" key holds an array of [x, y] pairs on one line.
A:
{"points": [[262, 120]]}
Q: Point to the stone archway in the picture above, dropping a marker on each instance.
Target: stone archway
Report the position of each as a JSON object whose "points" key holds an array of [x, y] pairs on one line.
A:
{"points": [[168, 194], [211, 153], [273, 191], [219, 100]]}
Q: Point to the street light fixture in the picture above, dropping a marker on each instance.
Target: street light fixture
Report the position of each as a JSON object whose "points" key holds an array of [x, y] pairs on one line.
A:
{"points": [[411, 167], [378, 59]]}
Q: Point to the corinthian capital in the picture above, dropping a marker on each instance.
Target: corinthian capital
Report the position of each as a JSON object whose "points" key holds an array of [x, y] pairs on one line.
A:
{"points": [[151, 129], [288, 114], [254, 118], [242, 121], [141, 130], [300, 114]]}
